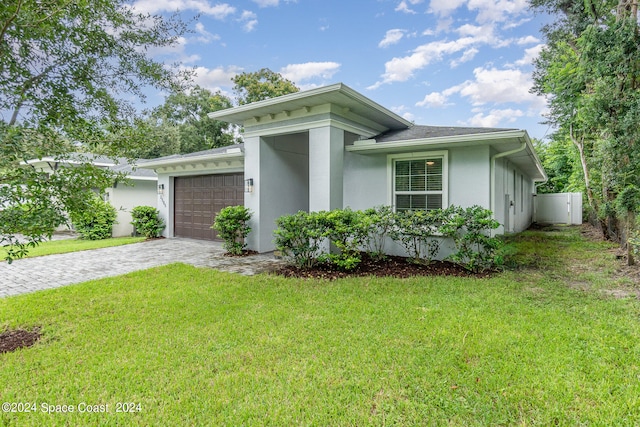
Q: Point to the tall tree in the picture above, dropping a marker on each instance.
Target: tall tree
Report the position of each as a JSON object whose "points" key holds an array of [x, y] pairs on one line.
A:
{"points": [[590, 73], [187, 111], [260, 85], [67, 69]]}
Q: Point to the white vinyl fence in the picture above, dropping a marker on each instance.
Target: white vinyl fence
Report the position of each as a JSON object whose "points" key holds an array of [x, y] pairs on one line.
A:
{"points": [[557, 208]]}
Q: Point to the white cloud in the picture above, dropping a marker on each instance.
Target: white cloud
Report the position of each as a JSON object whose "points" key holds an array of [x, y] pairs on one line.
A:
{"points": [[205, 36], [216, 78], [497, 10], [434, 100], [402, 69], [218, 11], [467, 56], [527, 40], [498, 86], [530, 55], [392, 37], [249, 20], [495, 117], [403, 6], [267, 3], [445, 7], [491, 86], [309, 70]]}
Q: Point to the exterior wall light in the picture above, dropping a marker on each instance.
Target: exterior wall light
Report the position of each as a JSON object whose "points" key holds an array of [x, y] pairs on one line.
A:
{"points": [[160, 189], [248, 185]]}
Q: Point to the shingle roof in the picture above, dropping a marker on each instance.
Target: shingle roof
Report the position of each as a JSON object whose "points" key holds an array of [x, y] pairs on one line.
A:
{"points": [[134, 173], [219, 150], [424, 132]]}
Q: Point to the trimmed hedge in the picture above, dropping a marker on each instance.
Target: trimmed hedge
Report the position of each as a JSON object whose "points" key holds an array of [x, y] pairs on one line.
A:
{"points": [[147, 221], [96, 220], [305, 237]]}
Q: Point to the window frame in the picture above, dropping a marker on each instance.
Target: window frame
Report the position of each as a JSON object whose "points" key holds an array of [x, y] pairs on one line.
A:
{"points": [[421, 155]]}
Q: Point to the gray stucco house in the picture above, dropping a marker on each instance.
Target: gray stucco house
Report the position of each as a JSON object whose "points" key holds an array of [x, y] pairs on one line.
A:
{"points": [[331, 147]]}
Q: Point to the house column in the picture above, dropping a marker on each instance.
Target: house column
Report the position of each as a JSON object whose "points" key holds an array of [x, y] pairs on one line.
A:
{"points": [[326, 158], [252, 200]]}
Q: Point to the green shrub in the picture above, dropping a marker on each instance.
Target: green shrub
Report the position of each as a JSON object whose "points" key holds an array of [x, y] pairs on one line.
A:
{"points": [[421, 233], [299, 238], [347, 231], [232, 226], [302, 237], [95, 221], [146, 221], [379, 222], [477, 250]]}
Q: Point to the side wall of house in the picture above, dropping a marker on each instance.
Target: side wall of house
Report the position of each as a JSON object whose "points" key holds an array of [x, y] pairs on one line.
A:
{"points": [[367, 178], [513, 197], [126, 197]]}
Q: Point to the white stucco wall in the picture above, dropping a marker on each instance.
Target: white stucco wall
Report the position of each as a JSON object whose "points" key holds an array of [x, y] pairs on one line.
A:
{"points": [[511, 182], [126, 197], [367, 178], [279, 167]]}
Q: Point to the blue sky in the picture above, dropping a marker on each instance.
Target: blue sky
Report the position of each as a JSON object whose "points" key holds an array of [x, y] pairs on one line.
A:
{"points": [[435, 62]]}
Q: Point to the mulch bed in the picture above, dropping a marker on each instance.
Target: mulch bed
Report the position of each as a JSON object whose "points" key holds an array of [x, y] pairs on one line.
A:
{"points": [[14, 339], [392, 266]]}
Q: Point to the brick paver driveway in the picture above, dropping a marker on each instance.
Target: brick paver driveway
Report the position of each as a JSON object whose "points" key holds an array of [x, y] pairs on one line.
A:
{"points": [[52, 271]]}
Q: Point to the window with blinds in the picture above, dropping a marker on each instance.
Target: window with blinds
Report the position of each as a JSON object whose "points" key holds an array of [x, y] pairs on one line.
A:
{"points": [[418, 184]]}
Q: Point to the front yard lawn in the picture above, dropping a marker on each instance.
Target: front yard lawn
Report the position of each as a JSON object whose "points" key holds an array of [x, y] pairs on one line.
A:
{"points": [[73, 245], [191, 346]]}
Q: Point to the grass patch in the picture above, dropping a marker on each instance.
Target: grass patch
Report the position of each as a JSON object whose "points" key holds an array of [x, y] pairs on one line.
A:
{"points": [[73, 245], [201, 347]]}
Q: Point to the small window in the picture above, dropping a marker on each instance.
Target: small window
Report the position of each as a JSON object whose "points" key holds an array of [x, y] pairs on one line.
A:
{"points": [[419, 183]]}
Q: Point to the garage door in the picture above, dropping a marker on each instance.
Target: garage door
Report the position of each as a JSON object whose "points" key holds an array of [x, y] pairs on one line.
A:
{"points": [[199, 198]]}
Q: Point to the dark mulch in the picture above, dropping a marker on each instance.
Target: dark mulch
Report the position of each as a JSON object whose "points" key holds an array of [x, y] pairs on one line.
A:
{"points": [[392, 266], [14, 339]]}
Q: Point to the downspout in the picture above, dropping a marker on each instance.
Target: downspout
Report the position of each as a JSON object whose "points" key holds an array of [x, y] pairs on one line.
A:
{"points": [[492, 190]]}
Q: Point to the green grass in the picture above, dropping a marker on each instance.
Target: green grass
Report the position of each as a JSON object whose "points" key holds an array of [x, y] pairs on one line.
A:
{"points": [[73, 245], [200, 347]]}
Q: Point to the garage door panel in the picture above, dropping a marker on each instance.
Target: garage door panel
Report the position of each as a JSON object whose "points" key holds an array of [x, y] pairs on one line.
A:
{"points": [[199, 198]]}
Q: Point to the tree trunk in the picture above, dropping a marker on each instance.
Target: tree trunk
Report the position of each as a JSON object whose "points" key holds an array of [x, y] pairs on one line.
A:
{"points": [[585, 169], [630, 227]]}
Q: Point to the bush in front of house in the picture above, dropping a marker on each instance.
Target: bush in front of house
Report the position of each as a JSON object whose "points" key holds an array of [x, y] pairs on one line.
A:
{"points": [[476, 249], [147, 221], [304, 236], [347, 230], [380, 222], [421, 233], [299, 238], [232, 225], [95, 221]]}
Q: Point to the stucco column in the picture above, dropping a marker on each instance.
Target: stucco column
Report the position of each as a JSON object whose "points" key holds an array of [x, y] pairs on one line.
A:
{"points": [[326, 158], [252, 200]]}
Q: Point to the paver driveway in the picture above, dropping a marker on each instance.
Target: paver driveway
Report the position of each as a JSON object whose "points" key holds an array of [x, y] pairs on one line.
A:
{"points": [[52, 271]]}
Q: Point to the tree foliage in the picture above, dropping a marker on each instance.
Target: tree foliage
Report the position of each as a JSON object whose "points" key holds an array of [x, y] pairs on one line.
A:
{"points": [[181, 124], [260, 85], [68, 72], [590, 73]]}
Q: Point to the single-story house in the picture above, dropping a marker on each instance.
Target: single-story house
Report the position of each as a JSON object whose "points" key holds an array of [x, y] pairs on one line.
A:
{"points": [[332, 147], [140, 188]]}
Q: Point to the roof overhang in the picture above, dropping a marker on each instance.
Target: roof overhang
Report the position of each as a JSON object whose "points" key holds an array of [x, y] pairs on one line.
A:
{"points": [[340, 95], [205, 161], [502, 142]]}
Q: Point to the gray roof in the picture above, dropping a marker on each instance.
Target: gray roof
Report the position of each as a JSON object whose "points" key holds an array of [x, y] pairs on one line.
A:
{"points": [[134, 172], [219, 150], [425, 132]]}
